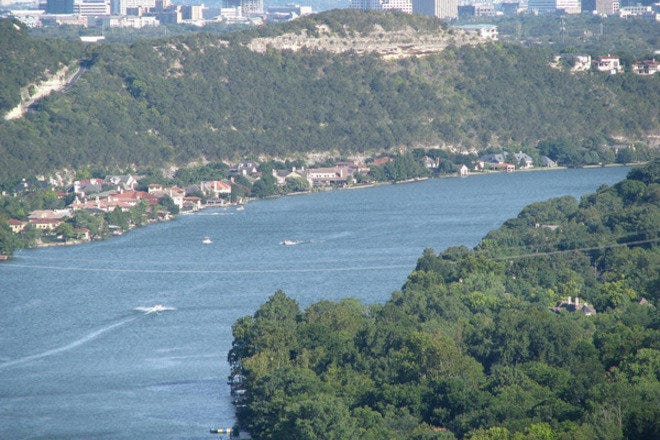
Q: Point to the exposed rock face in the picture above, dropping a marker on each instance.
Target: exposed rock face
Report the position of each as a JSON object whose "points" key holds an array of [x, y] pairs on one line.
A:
{"points": [[406, 42], [37, 90]]}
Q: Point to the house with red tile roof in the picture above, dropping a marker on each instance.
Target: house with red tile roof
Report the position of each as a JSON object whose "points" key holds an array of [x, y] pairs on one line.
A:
{"points": [[16, 225]]}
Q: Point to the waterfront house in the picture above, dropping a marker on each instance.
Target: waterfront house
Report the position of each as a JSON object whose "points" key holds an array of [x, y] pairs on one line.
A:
{"points": [[175, 193], [328, 176], [46, 224], [547, 162], [523, 160], [191, 204], [464, 171], [16, 225], [281, 175], [215, 188], [504, 167]]}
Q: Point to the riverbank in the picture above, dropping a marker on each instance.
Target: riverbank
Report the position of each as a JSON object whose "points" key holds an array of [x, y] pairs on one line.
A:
{"points": [[78, 241]]}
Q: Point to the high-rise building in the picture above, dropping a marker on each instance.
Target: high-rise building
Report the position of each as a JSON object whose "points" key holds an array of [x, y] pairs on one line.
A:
{"points": [[247, 6], [569, 6], [59, 7], [542, 6], [91, 8], [436, 8], [123, 4], [607, 7], [383, 5]]}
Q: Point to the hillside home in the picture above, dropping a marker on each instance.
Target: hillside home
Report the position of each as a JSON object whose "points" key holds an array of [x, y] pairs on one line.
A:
{"points": [[486, 31], [577, 63], [431, 163], [547, 162], [123, 182], [464, 171], [609, 64], [87, 186], [49, 214], [646, 67], [575, 306], [245, 169]]}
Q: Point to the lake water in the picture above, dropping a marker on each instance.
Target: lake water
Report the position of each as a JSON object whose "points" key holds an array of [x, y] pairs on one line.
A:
{"points": [[79, 360]]}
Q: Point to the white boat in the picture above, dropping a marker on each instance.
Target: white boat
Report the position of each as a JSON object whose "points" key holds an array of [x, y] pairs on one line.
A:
{"points": [[290, 242], [240, 208], [207, 240]]}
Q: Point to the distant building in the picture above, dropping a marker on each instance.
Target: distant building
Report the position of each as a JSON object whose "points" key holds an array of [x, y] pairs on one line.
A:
{"points": [[91, 8], [646, 67], [608, 63], [383, 5], [542, 6], [16, 225], [487, 31], [215, 188], [577, 63], [510, 8], [569, 6], [607, 7], [547, 162], [575, 306], [447, 9], [192, 12], [120, 6], [59, 7], [636, 11]]}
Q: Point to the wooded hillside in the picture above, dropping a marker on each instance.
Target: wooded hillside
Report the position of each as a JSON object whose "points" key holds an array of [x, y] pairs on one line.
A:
{"points": [[206, 96], [478, 344]]}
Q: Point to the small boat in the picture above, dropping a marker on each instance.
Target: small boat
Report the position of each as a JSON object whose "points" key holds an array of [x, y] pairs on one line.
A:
{"points": [[240, 208], [207, 240], [290, 242]]}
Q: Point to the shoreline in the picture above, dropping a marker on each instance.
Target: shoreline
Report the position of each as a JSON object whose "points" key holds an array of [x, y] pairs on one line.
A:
{"points": [[347, 188]]}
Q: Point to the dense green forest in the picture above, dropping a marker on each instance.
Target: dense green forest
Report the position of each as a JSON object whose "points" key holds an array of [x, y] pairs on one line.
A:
{"points": [[469, 348], [203, 95]]}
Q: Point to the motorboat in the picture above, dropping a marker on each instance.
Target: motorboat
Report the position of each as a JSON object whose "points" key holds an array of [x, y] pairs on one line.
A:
{"points": [[290, 242], [207, 240]]}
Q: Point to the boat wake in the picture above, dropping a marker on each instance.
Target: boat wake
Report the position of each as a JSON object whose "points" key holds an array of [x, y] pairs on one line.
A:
{"points": [[78, 342], [156, 308]]}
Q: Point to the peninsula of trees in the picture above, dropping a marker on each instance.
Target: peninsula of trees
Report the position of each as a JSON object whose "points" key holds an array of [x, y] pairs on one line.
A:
{"points": [[548, 329], [212, 97]]}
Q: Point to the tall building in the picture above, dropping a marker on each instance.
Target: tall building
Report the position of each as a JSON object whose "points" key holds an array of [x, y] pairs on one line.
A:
{"points": [[436, 8], [247, 6], [569, 6], [91, 8], [383, 5], [607, 7], [59, 7], [542, 6], [123, 4]]}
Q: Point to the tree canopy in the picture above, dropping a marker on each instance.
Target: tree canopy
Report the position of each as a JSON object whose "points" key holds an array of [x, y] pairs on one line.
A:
{"points": [[470, 347]]}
